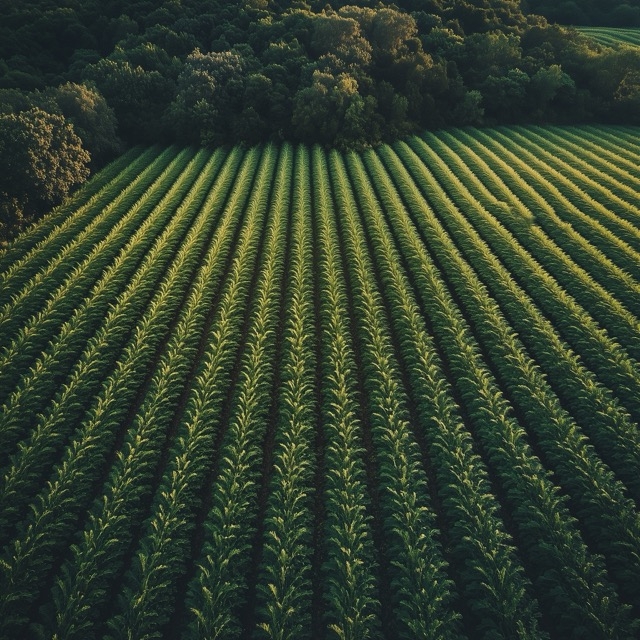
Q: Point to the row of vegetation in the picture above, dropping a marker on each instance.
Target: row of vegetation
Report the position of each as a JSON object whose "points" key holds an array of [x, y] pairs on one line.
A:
{"points": [[613, 35], [285, 392], [78, 83]]}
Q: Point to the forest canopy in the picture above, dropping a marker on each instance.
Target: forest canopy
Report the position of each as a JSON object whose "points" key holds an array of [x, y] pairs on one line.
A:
{"points": [[343, 74], [595, 13]]}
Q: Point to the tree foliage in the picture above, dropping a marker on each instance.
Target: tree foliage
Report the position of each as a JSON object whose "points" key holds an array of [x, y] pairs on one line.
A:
{"points": [[606, 13], [345, 74], [42, 159], [93, 121]]}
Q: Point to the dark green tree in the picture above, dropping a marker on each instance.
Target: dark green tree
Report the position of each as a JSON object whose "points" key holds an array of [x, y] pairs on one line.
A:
{"points": [[322, 109], [210, 95], [42, 159], [92, 119], [550, 85], [139, 95]]}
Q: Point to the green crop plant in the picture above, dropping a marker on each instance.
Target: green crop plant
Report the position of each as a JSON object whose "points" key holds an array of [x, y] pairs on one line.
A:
{"points": [[289, 393]]}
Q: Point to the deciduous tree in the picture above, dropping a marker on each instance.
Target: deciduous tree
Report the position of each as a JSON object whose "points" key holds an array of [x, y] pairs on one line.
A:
{"points": [[42, 159]]}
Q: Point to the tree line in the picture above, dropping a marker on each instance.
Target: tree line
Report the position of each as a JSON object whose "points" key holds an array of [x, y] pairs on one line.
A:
{"points": [[343, 74]]}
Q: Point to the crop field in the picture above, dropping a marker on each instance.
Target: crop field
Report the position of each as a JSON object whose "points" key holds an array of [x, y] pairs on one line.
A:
{"points": [[612, 35], [282, 392]]}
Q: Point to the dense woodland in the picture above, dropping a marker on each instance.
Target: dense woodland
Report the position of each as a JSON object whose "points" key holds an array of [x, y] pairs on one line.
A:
{"points": [[80, 80], [603, 13]]}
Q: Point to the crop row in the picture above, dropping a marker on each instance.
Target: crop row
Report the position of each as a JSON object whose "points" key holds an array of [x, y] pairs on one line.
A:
{"points": [[284, 392]]}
